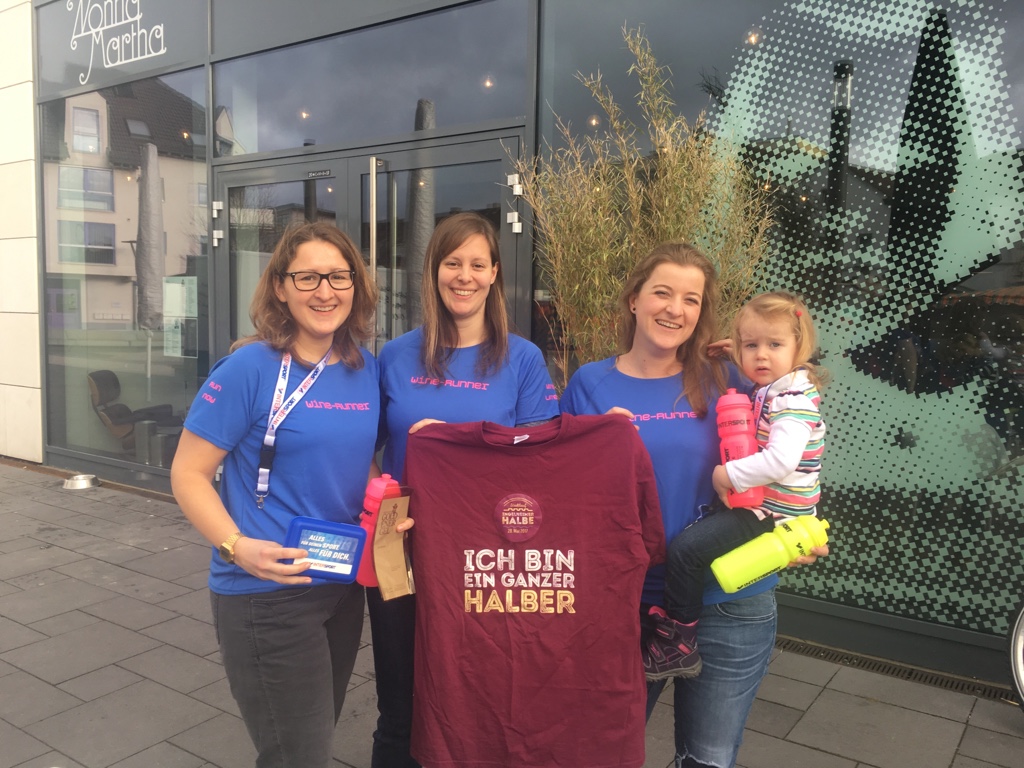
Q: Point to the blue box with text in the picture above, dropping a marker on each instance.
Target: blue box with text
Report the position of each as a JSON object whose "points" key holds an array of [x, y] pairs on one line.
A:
{"points": [[334, 548]]}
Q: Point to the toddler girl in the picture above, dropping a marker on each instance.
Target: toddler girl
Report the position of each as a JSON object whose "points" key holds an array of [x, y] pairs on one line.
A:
{"points": [[773, 340]]}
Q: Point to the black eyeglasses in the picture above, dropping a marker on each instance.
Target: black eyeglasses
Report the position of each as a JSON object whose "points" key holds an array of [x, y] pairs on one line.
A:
{"points": [[339, 280]]}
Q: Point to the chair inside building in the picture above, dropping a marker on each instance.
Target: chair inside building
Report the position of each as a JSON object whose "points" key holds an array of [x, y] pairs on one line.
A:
{"points": [[125, 423]]}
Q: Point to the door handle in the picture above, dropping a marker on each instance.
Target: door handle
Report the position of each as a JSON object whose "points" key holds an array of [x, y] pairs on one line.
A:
{"points": [[373, 245], [373, 216]]}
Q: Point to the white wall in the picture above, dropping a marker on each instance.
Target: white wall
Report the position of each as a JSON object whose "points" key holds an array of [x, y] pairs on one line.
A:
{"points": [[21, 401]]}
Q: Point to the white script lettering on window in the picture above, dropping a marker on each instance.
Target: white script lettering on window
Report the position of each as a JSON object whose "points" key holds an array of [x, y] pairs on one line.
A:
{"points": [[115, 28]]}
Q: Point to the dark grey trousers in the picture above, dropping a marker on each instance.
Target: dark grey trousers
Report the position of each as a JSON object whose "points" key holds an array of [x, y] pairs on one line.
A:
{"points": [[288, 656]]}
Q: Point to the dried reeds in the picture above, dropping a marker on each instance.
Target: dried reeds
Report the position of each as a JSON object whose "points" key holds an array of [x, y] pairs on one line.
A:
{"points": [[600, 204]]}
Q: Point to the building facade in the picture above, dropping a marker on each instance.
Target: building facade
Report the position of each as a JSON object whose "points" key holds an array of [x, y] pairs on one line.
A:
{"points": [[156, 150]]}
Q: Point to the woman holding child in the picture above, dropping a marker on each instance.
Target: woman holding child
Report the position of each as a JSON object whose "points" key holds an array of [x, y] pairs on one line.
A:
{"points": [[666, 382]]}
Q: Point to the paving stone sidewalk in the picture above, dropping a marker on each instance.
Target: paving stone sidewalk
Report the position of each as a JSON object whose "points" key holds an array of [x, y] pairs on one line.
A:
{"points": [[107, 658]]}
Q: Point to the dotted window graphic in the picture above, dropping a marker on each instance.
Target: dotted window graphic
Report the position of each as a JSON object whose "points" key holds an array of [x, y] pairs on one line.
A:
{"points": [[885, 134]]}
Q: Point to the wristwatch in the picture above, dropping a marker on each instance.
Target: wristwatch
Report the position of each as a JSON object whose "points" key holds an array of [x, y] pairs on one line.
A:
{"points": [[227, 549]]}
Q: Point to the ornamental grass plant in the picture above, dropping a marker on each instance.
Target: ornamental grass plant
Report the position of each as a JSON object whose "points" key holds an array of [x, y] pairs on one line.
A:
{"points": [[601, 203]]}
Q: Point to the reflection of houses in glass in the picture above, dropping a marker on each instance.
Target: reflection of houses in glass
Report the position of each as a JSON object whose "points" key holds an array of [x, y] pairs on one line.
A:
{"points": [[92, 147], [225, 141], [123, 295]]}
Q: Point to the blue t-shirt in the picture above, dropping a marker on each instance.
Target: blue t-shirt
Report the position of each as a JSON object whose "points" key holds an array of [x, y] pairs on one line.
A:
{"points": [[683, 450], [324, 447], [520, 391]]}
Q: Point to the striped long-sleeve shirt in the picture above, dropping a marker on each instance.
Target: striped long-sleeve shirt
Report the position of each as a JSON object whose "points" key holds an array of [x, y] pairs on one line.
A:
{"points": [[791, 440]]}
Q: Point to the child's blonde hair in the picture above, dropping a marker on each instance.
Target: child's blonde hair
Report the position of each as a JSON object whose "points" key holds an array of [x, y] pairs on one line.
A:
{"points": [[783, 305]]}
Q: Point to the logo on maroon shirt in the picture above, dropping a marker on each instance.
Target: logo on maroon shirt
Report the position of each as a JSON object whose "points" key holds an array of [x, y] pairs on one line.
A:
{"points": [[518, 517]]}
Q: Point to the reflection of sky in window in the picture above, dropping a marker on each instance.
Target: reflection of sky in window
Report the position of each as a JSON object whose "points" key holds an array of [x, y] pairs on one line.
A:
{"points": [[689, 38], [191, 83], [366, 84], [188, 82], [697, 38]]}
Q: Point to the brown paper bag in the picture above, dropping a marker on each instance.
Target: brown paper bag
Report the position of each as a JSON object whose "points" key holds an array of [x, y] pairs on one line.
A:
{"points": [[390, 558]]}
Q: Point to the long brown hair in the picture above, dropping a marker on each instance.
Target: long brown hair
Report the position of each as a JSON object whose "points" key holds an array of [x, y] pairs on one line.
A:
{"points": [[703, 377], [273, 320], [788, 307], [440, 334]]}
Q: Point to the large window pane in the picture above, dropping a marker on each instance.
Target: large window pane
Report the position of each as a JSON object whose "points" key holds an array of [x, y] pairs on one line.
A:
{"points": [[125, 283], [899, 199], [469, 63]]}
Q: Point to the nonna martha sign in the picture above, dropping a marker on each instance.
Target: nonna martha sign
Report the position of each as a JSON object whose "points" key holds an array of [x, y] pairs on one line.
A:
{"points": [[114, 30]]}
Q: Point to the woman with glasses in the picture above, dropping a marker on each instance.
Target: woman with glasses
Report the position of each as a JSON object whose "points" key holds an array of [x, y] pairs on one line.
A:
{"points": [[461, 365], [292, 414]]}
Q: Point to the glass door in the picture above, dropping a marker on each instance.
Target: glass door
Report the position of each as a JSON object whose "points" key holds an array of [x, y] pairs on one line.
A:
{"points": [[256, 206], [390, 213], [402, 197]]}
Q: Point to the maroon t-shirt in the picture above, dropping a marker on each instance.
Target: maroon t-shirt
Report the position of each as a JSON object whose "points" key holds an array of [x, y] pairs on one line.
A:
{"points": [[530, 547]]}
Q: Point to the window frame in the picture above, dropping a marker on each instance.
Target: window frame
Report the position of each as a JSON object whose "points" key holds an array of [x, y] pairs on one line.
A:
{"points": [[76, 134], [77, 197], [138, 129], [85, 247]]}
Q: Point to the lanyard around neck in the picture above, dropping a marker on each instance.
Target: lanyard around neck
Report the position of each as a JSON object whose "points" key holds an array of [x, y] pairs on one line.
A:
{"points": [[279, 410]]}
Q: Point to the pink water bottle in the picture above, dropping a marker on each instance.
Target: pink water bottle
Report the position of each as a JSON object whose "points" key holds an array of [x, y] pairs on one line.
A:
{"points": [[378, 489], [737, 432]]}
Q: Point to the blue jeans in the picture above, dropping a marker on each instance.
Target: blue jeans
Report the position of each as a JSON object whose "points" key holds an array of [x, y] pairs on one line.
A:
{"points": [[735, 641], [392, 630], [288, 656]]}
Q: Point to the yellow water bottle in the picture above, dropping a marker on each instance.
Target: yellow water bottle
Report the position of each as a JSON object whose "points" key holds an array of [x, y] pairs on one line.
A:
{"points": [[770, 552]]}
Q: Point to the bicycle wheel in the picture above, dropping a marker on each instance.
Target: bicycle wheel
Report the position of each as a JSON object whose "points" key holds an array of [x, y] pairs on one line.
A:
{"points": [[1015, 643]]}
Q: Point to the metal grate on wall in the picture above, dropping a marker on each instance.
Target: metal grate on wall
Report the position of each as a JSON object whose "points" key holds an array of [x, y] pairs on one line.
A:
{"points": [[899, 671]]}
